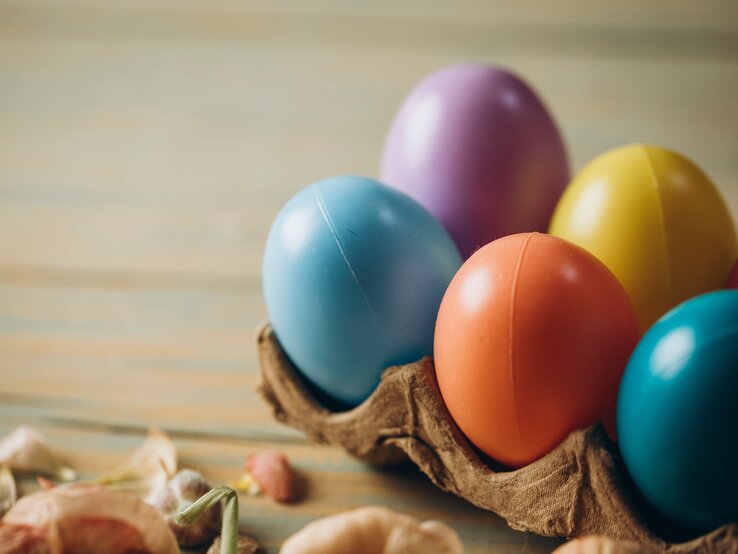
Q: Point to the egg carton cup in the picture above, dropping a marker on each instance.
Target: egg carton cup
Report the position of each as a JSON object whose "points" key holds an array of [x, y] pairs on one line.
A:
{"points": [[577, 489]]}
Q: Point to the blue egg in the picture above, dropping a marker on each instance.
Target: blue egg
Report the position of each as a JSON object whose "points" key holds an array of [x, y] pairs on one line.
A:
{"points": [[677, 412], [354, 273]]}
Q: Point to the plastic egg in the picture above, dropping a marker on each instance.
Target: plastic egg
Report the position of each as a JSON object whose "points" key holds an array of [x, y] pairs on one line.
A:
{"points": [[656, 220], [475, 145], [354, 272], [733, 279], [677, 415], [531, 340]]}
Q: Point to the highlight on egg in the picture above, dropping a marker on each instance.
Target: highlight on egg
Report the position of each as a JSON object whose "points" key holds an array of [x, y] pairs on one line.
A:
{"points": [[354, 272], [656, 220], [477, 147]]}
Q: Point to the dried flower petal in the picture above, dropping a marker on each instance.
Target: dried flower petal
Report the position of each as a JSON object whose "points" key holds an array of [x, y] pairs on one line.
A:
{"points": [[180, 492], [25, 539], [8, 492], [244, 545], [272, 473], [86, 517], [429, 537], [378, 530], [246, 484], [146, 469], [602, 545], [44, 483], [25, 449]]}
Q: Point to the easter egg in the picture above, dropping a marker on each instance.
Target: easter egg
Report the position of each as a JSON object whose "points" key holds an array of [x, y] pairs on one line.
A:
{"points": [[656, 220], [677, 414], [354, 272], [476, 146], [733, 279], [531, 340]]}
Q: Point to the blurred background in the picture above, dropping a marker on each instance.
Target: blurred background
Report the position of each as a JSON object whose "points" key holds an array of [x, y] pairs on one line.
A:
{"points": [[146, 146]]}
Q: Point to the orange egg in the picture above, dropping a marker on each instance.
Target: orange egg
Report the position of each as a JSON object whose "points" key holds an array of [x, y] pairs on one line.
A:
{"points": [[531, 340]]}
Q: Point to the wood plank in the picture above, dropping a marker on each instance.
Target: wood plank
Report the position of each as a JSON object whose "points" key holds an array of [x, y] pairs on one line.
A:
{"points": [[334, 482], [179, 359], [183, 173], [627, 12], [263, 20]]}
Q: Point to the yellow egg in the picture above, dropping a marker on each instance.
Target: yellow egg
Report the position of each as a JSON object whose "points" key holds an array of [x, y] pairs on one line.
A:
{"points": [[656, 220]]}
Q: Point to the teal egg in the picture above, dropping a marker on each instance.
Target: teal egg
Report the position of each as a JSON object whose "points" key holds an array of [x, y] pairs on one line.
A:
{"points": [[677, 412]]}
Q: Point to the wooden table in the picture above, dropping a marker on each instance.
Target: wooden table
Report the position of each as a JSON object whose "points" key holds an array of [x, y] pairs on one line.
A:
{"points": [[146, 145]]}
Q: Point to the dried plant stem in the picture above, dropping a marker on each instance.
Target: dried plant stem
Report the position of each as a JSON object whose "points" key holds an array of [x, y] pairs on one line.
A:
{"points": [[229, 530]]}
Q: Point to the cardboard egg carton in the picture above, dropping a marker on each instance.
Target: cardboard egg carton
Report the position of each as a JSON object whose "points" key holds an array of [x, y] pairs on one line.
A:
{"points": [[580, 488]]}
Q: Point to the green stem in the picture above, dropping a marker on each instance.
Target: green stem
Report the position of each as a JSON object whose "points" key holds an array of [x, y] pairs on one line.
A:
{"points": [[229, 530]]}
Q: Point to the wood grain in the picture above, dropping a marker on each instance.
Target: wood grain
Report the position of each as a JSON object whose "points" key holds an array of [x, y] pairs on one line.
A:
{"points": [[331, 482], [183, 172], [182, 360], [145, 147]]}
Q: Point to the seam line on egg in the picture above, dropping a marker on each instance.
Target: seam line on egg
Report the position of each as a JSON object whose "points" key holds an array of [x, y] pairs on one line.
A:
{"points": [[662, 217], [511, 333], [341, 249]]}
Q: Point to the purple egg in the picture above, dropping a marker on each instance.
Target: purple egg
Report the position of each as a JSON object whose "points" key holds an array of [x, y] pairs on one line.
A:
{"points": [[478, 149]]}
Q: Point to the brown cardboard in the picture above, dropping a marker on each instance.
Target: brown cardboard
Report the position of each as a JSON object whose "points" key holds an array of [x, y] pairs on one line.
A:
{"points": [[576, 490]]}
